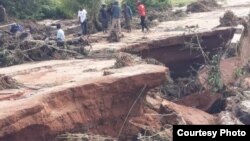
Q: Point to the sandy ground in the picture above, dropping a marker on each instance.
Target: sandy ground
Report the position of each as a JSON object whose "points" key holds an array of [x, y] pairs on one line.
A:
{"points": [[57, 72]]}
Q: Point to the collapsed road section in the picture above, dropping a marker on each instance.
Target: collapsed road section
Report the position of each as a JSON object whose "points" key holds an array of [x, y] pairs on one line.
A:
{"points": [[181, 52], [75, 95], [93, 95]]}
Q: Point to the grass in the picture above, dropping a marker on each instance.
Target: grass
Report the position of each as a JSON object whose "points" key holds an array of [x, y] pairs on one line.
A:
{"points": [[181, 2]]}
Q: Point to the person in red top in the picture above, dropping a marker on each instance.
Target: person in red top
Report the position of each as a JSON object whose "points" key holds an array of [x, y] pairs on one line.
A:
{"points": [[142, 12]]}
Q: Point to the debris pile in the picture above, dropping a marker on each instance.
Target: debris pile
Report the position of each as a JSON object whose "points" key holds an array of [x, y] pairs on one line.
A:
{"points": [[114, 37], [7, 82], [165, 15], [84, 137], [175, 89], [229, 19], [126, 59], [32, 50], [39, 32], [37, 43], [202, 6]]}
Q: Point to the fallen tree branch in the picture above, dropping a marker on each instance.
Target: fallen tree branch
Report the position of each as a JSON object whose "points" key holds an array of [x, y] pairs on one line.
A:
{"points": [[130, 110], [65, 50]]}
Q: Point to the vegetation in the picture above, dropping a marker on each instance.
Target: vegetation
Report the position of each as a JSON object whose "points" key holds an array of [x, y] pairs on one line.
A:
{"points": [[214, 77], [181, 2], [41, 9], [31, 9], [156, 4]]}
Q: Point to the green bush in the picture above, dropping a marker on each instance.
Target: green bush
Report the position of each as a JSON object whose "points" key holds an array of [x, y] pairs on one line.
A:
{"points": [[155, 4], [41, 9], [25, 9]]}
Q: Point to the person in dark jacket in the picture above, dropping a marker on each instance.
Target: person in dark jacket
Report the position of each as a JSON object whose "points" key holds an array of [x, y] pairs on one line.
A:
{"points": [[116, 14], [127, 12], [104, 19], [14, 28], [109, 11]]}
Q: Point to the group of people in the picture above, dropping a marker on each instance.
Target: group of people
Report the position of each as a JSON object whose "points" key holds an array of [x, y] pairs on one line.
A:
{"points": [[113, 13], [109, 14]]}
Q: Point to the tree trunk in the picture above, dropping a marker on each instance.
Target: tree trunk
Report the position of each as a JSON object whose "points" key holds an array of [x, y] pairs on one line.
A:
{"points": [[2, 14]]}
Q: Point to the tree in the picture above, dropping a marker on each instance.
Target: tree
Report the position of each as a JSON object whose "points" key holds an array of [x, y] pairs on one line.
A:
{"points": [[156, 4], [40, 9]]}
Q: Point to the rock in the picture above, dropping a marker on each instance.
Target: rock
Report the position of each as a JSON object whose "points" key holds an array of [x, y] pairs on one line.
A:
{"points": [[7, 82], [247, 94], [174, 114], [151, 122], [71, 100], [2, 14], [228, 118], [228, 68], [243, 112], [245, 83], [114, 37], [126, 59], [205, 101], [236, 111], [179, 114], [154, 103], [25, 36], [231, 103]]}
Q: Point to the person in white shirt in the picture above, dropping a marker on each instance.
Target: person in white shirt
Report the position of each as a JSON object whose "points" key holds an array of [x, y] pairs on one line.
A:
{"points": [[60, 37], [82, 16]]}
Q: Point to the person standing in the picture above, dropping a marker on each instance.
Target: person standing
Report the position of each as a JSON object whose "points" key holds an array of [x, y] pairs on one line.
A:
{"points": [[104, 19], [60, 37], [116, 13], [142, 12], [109, 10], [128, 16], [82, 16]]}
